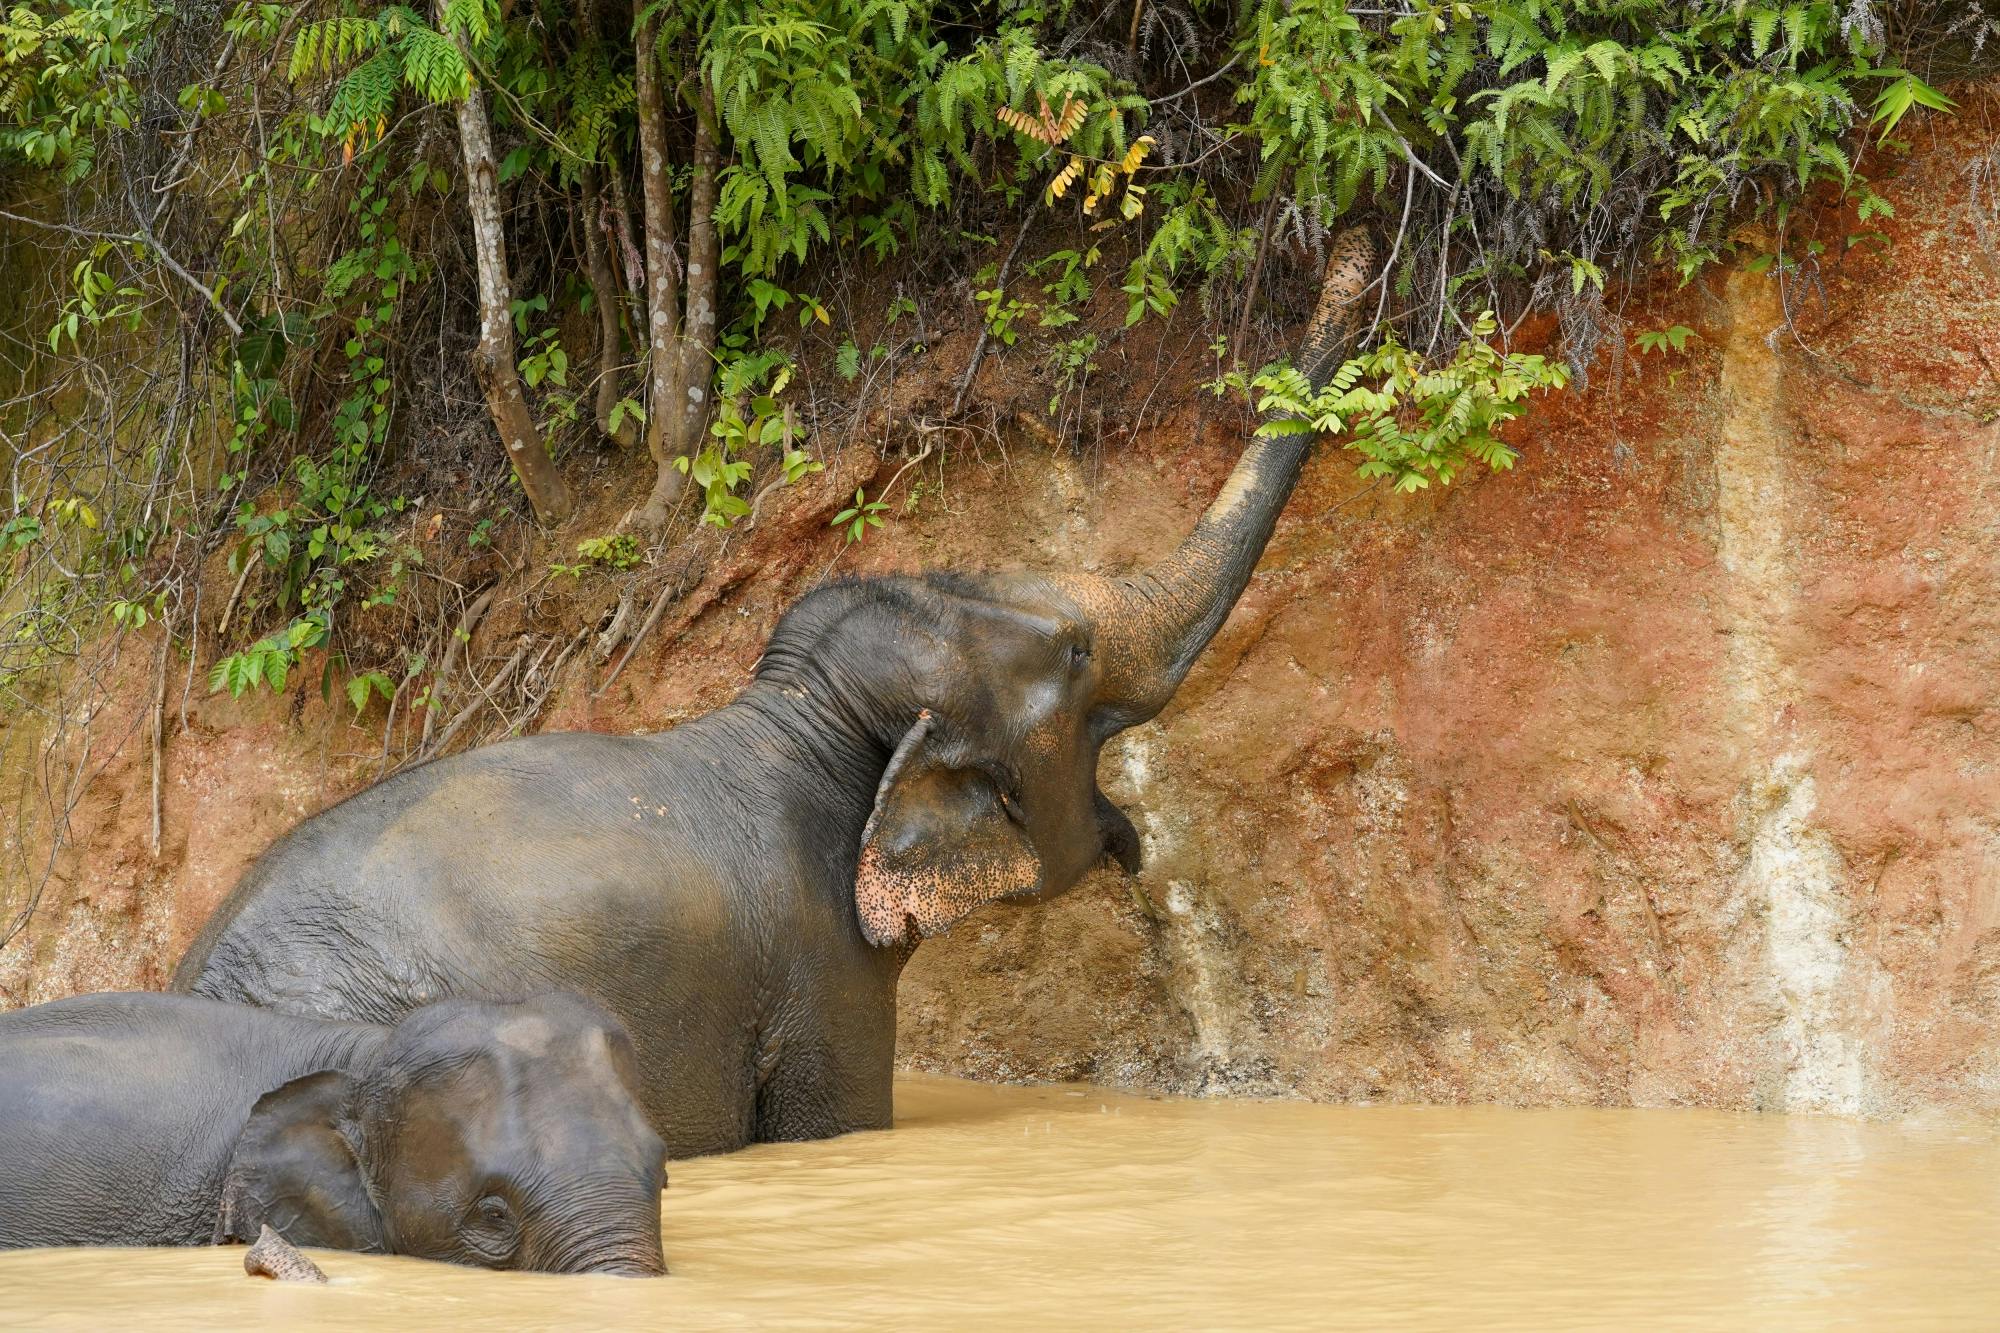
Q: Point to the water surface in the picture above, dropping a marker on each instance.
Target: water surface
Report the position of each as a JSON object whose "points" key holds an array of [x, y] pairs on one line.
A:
{"points": [[1012, 1207]]}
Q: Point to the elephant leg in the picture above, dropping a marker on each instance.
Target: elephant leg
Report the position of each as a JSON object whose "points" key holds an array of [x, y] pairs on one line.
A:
{"points": [[827, 1072]]}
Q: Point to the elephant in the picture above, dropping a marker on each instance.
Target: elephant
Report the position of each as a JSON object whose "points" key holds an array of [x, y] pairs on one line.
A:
{"points": [[743, 890], [491, 1135]]}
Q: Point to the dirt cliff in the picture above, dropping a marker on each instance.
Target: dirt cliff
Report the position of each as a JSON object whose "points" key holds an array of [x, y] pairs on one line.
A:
{"points": [[1663, 769]]}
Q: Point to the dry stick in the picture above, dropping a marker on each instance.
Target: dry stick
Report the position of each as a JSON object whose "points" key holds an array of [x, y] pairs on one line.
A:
{"points": [[620, 214], [485, 696], [389, 728], [1386, 276], [172, 175], [985, 331], [555, 668], [614, 633], [145, 239], [1256, 273], [668, 594], [508, 724], [555, 671], [160, 725], [146, 235], [653, 614], [533, 707], [229, 608], [523, 642], [466, 626], [194, 651], [927, 451], [1198, 83], [389, 723]]}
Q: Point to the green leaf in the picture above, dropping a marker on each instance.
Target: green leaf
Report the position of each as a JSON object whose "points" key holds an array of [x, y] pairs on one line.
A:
{"points": [[1904, 92]]}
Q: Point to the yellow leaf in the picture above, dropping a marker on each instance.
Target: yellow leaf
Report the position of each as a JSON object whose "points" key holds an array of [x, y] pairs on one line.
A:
{"points": [[1063, 180], [1136, 154], [1072, 117]]}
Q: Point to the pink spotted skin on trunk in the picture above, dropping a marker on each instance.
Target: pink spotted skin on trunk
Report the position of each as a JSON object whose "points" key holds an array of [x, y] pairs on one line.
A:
{"points": [[277, 1258]]}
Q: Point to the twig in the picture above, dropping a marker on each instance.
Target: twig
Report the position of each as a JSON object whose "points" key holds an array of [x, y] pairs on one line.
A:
{"points": [[1256, 273], [125, 238], [146, 237], [927, 451], [389, 727], [466, 625], [1389, 268], [985, 331], [485, 696], [614, 633], [229, 608], [172, 175], [533, 707], [1173, 97], [160, 724], [757, 504], [668, 595]]}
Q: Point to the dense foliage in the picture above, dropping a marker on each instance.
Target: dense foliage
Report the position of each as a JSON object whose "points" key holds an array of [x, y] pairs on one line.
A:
{"points": [[264, 233]]}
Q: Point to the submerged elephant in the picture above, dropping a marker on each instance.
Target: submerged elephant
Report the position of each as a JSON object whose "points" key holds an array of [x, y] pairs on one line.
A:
{"points": [[743, 891], [496, 1135]]}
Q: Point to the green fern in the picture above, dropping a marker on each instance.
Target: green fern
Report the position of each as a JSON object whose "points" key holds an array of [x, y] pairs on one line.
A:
{"points": [[379, 55]]}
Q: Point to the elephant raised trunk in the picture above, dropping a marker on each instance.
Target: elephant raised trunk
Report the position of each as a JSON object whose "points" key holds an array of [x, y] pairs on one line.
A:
{"points": [[1152, 626]]}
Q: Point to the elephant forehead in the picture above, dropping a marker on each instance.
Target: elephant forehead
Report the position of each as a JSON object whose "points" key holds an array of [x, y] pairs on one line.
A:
{"points": [[528, 1034]]}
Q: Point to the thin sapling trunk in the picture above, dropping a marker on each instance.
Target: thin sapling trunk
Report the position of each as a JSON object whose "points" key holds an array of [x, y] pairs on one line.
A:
{"points": [[493, 361]]}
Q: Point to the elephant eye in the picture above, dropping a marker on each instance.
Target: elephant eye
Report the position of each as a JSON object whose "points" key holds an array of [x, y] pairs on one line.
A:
{"points": [[492, 1231], [1012, 805], [1079, 656]]}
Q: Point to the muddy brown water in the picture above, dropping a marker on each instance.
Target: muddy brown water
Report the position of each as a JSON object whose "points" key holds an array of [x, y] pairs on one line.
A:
{"points": [[1017, 1207]]}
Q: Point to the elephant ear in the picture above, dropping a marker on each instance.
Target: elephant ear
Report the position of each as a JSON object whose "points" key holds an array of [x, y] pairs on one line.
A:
{"points": [[294, 1169], [940, 840]]}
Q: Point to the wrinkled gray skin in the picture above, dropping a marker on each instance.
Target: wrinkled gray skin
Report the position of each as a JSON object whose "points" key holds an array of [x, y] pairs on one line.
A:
{"points": [[744, 890], [500, 1136]]}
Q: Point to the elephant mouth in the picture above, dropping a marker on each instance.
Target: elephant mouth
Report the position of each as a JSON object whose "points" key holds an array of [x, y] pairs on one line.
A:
{"points": [[639, 1263], [1119, 839], [633, 1269]]}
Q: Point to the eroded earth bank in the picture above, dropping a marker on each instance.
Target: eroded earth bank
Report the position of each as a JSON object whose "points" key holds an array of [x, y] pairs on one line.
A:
{"points": [[1660, 770]]}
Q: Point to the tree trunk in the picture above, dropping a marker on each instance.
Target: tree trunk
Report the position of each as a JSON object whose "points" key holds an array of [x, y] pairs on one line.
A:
{"points": [[493, 361], [662, 283], [703, 270], [604, 293], [631, 264]]}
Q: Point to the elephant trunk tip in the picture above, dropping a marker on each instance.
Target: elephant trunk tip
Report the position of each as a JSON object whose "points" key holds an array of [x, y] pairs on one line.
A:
{"points": [[275, 1257]]}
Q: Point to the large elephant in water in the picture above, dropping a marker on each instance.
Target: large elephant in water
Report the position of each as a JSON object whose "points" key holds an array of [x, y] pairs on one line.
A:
{"points": [[744, 890], [496, 1135]]}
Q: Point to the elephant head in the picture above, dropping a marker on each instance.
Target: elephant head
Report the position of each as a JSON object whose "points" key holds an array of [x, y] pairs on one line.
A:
{"points": [[991, 791], [494, 1135]]}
